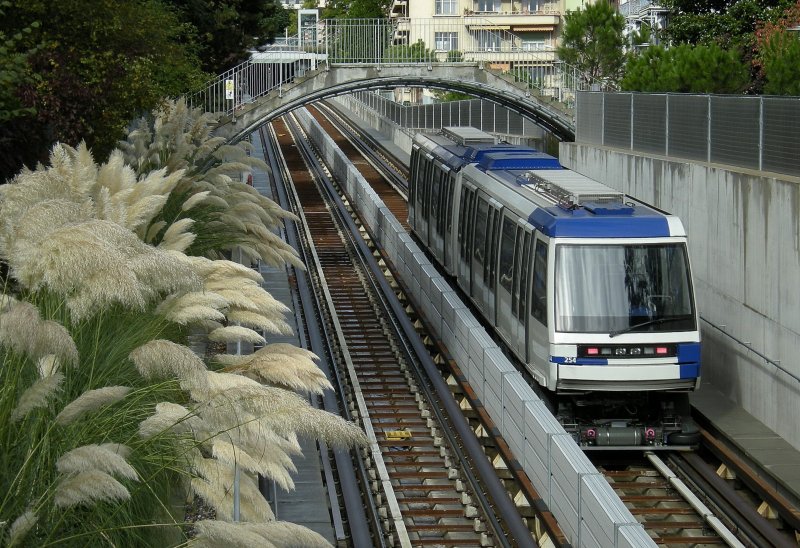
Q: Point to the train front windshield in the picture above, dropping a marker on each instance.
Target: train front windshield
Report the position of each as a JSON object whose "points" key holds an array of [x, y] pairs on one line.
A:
{"points": [[623, 288]]}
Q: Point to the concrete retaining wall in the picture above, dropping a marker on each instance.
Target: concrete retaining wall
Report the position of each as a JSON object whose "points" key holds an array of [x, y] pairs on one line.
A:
{"points": [[585, 506], [744, 241]]}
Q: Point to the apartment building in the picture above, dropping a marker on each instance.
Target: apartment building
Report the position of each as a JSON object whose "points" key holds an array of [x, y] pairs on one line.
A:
{"points": [[535, 24]]}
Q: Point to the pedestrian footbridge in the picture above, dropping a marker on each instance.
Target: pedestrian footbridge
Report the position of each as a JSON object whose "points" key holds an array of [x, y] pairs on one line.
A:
{"points": [[346, 56]]}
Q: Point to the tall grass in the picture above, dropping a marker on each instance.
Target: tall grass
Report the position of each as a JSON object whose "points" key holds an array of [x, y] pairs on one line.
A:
{"points": [[107, 420]]}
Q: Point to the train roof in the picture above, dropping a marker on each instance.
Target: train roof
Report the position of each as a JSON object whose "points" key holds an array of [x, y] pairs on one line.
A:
{"points": [[566, 204], [488, 154]]}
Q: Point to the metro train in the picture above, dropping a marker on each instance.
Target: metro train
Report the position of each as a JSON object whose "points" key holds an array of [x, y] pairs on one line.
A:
{"points": [[590, 289]]}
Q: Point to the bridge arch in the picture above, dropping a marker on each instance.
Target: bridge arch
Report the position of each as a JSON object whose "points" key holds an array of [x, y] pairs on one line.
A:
{"points": [[336, 81]]}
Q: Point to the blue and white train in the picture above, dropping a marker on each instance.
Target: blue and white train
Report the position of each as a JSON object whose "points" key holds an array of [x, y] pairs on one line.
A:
{"points": [[590, 289]]}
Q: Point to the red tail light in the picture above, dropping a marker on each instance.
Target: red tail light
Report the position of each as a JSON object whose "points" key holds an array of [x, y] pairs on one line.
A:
{"points": [[662, 350]]}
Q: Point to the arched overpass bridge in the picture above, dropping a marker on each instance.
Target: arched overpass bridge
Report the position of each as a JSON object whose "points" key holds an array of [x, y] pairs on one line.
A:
{"points": [[339, 80]]}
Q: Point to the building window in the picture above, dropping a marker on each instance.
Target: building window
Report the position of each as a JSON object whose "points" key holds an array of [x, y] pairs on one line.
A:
{"points": [[446, 7], [446, 41], [488, 41], [531, 6], [533, 45], [487, 5]]}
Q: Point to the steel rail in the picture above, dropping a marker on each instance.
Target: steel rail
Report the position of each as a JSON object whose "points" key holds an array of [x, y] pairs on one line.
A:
{"points": [[319, 341], [707, 515]]}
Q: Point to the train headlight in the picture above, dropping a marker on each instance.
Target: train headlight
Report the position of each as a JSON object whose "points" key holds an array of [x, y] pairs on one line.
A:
{"points": [[620, 351], [635, 351]]}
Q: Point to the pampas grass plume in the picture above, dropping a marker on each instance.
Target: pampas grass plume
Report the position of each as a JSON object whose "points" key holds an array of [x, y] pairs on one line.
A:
{"points": [[194, 200], [95, 457], [260, 321], [21, 527], [37, 395], [220, 534], [48, 365], [234, 333], [89, 401], [85, 488], [161, 358], [153, 231], [177, 237], [5, 302], [288, 535], [169, 417]]}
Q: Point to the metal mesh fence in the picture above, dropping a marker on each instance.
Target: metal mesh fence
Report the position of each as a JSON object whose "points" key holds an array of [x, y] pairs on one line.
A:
{"points": [[478, 113], [617, 123], [650, 125], [752, 132], [687, 127], [781, 138], [735, 123]]}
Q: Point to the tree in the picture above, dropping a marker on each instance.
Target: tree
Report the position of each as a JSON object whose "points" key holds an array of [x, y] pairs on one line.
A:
{"points": [[593, 41], [686, 69], [96, 65], [779, 53], [357, 9], [227, 29], [728, 23]]}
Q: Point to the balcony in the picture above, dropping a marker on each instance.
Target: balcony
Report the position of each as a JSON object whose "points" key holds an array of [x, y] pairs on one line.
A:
{"points": [[515, 22]]}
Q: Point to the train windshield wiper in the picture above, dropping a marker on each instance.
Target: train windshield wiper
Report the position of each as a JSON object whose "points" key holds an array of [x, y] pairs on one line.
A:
{"points": [[643, 324]]}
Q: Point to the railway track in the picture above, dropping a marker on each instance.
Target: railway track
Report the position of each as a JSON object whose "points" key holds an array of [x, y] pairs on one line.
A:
{"points": [[677, 501], [419, 476]]}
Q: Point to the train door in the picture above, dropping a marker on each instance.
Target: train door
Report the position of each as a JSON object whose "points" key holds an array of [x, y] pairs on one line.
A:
{"points": [[479, 259], [538, 339], [437, 213], [425, 170], [416, 154], [521, 291], [506, 318], [466, 224], [492, 252], [449, 195]]}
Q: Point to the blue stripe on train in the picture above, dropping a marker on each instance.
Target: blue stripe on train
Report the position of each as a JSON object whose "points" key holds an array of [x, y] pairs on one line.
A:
{"points": [[689, 360], [579, 361]]}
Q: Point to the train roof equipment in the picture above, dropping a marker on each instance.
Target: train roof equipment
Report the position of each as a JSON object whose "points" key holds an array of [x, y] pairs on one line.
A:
{"points": [[466, 135], [457, 146]]}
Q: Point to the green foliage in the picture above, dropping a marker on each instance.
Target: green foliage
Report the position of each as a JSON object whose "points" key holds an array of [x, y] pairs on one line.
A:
{"points": [[97, 63], [593, 41], [686, 69], [454, 56], [415, 53], [227, 29], [780, 61], [729, 24], [32, 445], [356, 9]]}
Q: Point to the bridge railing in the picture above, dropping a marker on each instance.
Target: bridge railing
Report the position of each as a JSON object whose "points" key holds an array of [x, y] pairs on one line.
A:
{"points": [[375, 42]]}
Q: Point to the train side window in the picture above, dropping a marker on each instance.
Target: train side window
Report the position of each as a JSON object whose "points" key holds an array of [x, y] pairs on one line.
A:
{"points": [[507, 245], [481, 220], [539, 291]]}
